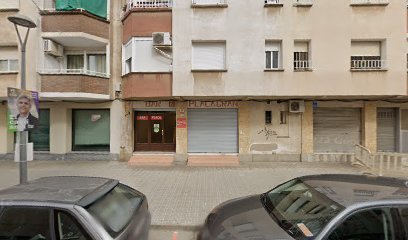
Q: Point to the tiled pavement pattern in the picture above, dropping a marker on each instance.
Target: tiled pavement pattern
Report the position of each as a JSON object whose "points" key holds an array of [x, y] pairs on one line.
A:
{"points": [[181, 196]]}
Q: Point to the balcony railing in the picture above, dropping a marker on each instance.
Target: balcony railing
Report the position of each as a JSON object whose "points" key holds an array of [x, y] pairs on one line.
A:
{"points": [[303, 2], [368, 64], [369, 2], [149, 4], [209, 2], [302, 65], [273, 2], [74, 72]]}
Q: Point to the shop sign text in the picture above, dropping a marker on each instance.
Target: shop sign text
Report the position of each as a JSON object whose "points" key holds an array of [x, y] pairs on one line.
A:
{"points": [[213, 104]]}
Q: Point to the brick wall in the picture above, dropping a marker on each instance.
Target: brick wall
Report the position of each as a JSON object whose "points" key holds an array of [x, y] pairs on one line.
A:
{"points": [[136, 85], [75, 22], [144, 23], [74, 83]]}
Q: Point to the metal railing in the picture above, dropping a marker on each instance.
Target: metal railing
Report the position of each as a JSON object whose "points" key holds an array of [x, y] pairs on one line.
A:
{"points": [[74, 72], [302, 65], [273, 2], [209, 2], [368, 2], [303, 2], [149, 4], [367, 64]]}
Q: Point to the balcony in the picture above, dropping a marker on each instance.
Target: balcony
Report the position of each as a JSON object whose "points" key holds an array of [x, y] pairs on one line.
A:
{"points": [[302, 65], [73, 81], [368, 65], [147, 85], [369, 2], [209, 3], [303, 3], [152, 4], [274, 3]]}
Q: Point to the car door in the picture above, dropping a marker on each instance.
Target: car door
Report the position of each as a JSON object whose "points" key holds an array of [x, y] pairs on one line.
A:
{"points": [[367, 224], [25, 223]]}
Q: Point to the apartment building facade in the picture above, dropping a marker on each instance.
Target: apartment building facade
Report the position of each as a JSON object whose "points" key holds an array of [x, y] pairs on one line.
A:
{"points": [[204, 80]]}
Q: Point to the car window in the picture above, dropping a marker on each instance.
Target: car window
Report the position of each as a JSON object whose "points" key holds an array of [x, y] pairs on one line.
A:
{"points": [[374, 224], [68, 228], [24, 223], [115, 210], [404, 217], [301, 210]]}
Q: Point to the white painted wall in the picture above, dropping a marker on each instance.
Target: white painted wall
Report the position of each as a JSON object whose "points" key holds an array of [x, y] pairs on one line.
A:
{"points": [[329, 25], [287, 136]]}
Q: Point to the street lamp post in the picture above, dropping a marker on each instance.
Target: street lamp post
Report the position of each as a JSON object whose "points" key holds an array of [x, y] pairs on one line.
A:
{"points": [[23, 21]]}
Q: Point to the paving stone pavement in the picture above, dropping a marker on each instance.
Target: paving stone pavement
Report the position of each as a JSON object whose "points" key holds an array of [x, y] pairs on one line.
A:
{"points": [[178, 196]]}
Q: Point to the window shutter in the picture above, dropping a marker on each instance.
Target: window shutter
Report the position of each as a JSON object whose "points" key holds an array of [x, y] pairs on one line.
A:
{"points": [[208, 56], [301, 47], [272, 46], [366, 48], [128, 50]]}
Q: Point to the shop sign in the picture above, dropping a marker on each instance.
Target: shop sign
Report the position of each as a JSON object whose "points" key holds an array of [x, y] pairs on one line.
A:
{"points": [[142, 118], [156, 118], [213, 104], [181, 123]]}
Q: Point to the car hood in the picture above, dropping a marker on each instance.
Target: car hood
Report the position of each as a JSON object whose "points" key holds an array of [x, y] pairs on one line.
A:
{"points": [[242, 218]]}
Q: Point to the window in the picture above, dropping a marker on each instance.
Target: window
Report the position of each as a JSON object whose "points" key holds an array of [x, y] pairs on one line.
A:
{"points": [[68, 228], [283, 117], [24, 223], [273, 55], [127, 51], [115, 210], [208, 56], [9, 65], [268, 117], [75, 63], [404, 217], [40, 136], [366, 55], [369, 224], [97, 64], [91, 130], [301, 56]]}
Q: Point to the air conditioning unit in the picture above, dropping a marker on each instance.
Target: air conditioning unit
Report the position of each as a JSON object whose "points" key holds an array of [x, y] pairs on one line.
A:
{"points": [[53, 48], [161, 39], [296, 106]]}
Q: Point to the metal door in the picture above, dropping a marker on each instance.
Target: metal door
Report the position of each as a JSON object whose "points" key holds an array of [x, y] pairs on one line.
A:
{"points": [[213, 131], [336, 129], [386, 130]]}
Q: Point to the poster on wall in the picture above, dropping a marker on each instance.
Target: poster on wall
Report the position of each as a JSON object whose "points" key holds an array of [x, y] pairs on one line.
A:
{"points": [[23, 108]]}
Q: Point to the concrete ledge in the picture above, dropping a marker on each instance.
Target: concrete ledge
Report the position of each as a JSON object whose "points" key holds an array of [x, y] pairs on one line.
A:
{"points": [[269, 157], [345, 158]]}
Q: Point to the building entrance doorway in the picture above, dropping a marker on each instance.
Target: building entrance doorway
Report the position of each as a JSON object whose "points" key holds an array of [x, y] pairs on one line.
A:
{"points": [[155, 131]]}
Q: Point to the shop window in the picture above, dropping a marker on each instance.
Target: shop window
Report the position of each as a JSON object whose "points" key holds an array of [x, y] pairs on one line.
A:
{"points": [[91, 130], [268, 117], [40, 136]]}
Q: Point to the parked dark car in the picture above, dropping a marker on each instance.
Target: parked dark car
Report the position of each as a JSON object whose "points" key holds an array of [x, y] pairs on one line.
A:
{"points": [[332, 207], [67, 208]]}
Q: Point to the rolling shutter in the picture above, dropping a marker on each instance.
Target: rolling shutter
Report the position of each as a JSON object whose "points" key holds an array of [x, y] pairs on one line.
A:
{"points": [[386, 137], [366, 48], [213, 131], [208, 56], [336, 129]]}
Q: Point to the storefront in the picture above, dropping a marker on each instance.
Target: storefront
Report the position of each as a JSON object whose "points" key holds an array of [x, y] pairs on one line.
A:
{"points": [[41, 135], [336, 129], [212, 130]]}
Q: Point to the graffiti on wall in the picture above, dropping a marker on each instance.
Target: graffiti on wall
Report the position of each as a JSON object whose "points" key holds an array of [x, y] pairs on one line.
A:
{"points": [[268, 133]]}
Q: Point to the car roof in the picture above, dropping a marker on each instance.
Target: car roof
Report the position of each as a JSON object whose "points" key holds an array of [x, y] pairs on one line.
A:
{"points": [[69, 190], [347, 189]]}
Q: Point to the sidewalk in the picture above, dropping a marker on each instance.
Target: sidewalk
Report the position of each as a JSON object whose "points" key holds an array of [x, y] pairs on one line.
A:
{"points": [[178, 196]]}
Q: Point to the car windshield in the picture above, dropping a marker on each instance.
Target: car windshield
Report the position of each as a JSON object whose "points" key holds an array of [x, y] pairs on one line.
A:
{"points": [[115, 210], [299, 209]]}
